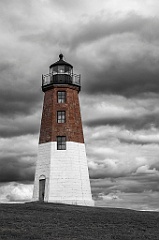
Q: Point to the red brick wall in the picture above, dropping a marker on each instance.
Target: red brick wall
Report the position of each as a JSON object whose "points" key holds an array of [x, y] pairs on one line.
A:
{"points": [[72, 129]]}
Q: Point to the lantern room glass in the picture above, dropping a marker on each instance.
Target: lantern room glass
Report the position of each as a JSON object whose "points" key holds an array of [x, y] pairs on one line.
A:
{"points": [[54, 70], [61, 69]]}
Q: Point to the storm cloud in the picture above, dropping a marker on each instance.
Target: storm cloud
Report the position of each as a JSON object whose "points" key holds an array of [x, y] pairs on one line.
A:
{"points": [[13, 169]]}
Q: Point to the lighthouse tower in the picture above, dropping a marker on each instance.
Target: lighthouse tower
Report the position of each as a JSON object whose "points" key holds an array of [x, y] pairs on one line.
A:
{"points": [[61, 170]]}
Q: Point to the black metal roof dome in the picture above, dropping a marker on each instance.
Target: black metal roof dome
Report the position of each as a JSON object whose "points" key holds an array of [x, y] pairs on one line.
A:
{"points": [[61, 62]]}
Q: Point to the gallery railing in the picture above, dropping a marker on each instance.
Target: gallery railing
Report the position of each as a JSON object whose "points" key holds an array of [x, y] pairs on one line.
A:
{"points": [[61, 78]]}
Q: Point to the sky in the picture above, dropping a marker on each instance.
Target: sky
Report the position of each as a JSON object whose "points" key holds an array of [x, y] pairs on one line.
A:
{"points": [[114, 45]]}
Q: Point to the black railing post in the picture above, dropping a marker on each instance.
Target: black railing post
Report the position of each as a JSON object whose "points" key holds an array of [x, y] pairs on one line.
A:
{"points": [[42, 79]]}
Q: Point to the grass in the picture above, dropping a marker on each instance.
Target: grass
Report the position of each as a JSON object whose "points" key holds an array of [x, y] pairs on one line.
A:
{"points": [[60, 222]]}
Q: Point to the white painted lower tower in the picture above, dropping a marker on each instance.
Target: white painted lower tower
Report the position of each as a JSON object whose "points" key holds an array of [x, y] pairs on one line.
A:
{"points": [[65, 174]]}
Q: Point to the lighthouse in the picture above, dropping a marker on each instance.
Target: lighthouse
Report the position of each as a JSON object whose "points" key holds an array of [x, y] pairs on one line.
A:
{"points": [[61, 174]]}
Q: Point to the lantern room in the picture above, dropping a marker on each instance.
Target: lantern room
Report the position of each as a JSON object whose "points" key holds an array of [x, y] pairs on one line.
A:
{"points": [[60, 72]]}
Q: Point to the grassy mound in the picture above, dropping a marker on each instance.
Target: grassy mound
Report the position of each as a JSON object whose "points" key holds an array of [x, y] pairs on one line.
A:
{"points": [[57, 221]]}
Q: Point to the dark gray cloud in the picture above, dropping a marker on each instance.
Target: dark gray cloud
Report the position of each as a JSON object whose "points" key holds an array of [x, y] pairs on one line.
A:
{"points": [[155, 165], [19, 95], [20, 99], [104, 171], [130, 74], [129, 184], [16, 128], [14, 169], [19, 112], [128, 79], [129, 122], [134, 170], [94, 28], [138, 141], [101, 26]]}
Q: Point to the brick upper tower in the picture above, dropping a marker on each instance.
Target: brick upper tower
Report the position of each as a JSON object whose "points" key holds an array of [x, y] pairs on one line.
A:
{"points": [[61, 170]]}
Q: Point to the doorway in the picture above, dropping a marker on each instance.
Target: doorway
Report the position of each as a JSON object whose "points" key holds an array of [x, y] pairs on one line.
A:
{"points": [[41, 190]]}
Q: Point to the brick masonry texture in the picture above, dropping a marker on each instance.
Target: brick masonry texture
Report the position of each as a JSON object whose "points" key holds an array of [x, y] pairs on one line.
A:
{"points": [[72, 128]]}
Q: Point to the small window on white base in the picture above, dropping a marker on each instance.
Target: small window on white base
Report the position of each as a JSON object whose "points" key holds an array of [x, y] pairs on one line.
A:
{"points": [[61, 143]]}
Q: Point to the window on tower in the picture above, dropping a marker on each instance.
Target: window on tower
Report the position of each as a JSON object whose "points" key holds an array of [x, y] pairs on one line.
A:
{"points": [[61, 116], [61, 97], [61, 143]]}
